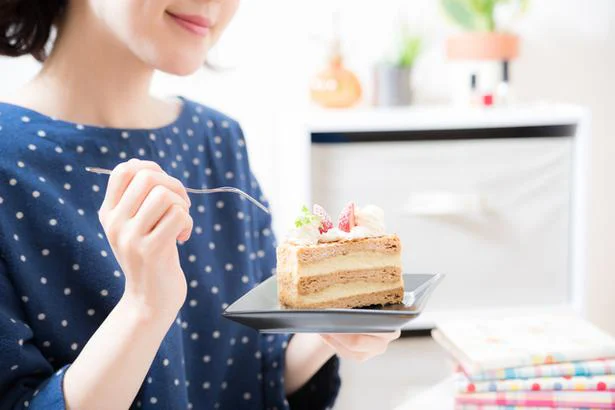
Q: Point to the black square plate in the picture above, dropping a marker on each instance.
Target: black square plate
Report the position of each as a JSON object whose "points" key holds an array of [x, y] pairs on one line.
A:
{"points": [[259, 309]]}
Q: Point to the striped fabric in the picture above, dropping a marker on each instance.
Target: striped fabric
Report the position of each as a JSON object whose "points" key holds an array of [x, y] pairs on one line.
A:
{"points": [[548, 399], [491, 407], [583, 368], [577, 383]]}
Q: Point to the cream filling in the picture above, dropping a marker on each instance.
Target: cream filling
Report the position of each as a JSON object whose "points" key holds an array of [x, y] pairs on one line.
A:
{"points": [[344, 290], [353, 261]]}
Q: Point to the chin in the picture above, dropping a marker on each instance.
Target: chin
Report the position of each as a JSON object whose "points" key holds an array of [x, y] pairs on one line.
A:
{"points": [[180, 64], [179, 69]]}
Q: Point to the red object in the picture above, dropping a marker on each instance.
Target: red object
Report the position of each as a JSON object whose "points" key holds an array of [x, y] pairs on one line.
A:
{"points": [[601, 386], [325, 219], [471, 388], [487, 99], [535, 387], [346, 220]]}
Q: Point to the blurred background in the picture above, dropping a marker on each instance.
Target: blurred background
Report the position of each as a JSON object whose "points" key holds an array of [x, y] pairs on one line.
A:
{"points": [[485, 129]]}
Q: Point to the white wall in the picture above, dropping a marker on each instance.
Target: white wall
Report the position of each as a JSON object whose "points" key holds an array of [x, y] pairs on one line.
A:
{"points": [[256, 56], [567, 56]]}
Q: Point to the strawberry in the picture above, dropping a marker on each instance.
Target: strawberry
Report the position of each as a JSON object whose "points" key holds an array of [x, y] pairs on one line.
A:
{"points": [[346, 220], [325, 219]]}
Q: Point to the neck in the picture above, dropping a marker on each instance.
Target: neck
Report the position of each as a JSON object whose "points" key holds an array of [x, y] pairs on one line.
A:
{"points": [[92, 78]]}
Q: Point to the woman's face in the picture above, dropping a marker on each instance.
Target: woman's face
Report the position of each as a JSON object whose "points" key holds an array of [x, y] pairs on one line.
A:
{"points": [[170, 35]]}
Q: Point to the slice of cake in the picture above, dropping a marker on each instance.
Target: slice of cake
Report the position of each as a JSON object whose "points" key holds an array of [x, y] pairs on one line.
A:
{"points": [[356, 264]]}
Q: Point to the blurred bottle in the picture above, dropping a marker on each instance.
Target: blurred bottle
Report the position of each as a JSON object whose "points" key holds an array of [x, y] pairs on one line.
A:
{"points": [[336, 86], [503, 91], [474, 99]]}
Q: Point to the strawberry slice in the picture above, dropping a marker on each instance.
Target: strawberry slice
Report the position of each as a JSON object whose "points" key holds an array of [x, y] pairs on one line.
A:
{"points": [[325, 219], [346, 220]]}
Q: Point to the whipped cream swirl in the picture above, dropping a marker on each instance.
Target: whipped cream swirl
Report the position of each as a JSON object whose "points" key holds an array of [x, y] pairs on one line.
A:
{"points": [[304, 235], [369, 222]]}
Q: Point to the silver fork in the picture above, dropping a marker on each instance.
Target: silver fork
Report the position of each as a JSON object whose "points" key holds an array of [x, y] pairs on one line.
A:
{"points": [[197, 191]]}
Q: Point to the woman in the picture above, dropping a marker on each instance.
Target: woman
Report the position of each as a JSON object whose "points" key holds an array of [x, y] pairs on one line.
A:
{"points": [[111, 288]]}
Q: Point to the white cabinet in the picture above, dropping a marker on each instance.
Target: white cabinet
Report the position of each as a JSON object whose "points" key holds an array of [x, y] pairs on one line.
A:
{"points": [[493, 215], [493, 199]]}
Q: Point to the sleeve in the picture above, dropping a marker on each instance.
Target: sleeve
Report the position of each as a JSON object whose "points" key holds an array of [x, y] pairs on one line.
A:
{"points": [[322, 389], [27, 379]]}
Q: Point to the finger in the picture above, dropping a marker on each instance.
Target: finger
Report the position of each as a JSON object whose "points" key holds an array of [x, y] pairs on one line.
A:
{"points": [[342, 350], [335, 344], [361, 342], [120, 178], [176, 223], [155, 205], [142, 183], [390, 336]]}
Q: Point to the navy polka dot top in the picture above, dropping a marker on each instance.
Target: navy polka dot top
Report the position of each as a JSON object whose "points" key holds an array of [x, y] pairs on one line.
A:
{"points": [[59, 278]]}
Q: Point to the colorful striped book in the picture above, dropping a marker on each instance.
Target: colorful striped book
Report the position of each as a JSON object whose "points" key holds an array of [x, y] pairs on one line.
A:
{"points": [[577, 383], [551, 399], [599, 367], [482, 345], [459, 406]]}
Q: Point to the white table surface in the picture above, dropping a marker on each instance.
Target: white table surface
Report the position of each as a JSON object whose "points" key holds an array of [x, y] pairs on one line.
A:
{"points": [[437, 397], [411, 367]]}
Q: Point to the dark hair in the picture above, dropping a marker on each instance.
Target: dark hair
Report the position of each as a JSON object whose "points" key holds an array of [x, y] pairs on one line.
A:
{"points": [[25, 26]]}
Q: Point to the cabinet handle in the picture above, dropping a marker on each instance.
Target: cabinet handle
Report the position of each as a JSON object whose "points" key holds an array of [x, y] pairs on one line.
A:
{"points": [[445, 204]]}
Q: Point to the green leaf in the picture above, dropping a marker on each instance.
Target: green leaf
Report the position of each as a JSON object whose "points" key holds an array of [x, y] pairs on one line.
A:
{"points": [[461, 12], [409, 51], [306, 218], [474, 15], [481, 7]]}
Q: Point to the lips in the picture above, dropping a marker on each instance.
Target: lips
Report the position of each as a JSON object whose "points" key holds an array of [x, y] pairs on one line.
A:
{"points": [[195, 24]]}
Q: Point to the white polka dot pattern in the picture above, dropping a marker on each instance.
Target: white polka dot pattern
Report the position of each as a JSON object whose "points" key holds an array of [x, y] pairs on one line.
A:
{"points": [[71, 280]]}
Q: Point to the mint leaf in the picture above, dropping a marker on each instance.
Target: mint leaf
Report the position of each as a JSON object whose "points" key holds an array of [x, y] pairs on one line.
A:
{"points": [[306, 218]]}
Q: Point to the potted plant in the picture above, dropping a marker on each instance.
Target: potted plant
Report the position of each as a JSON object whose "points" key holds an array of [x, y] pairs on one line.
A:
{"points": [[483, 39], [393, 78]]}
